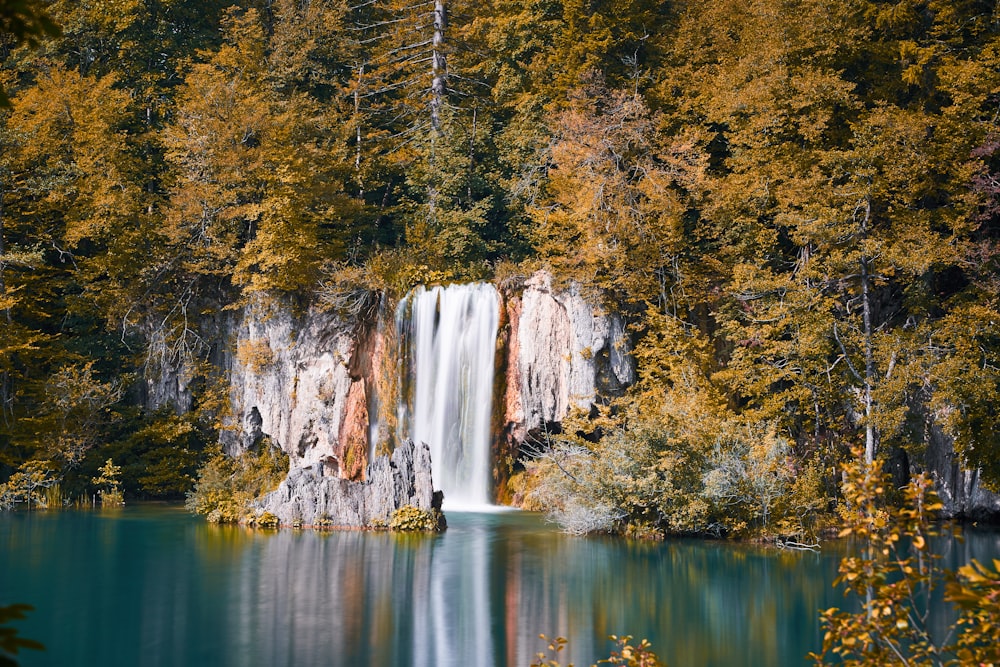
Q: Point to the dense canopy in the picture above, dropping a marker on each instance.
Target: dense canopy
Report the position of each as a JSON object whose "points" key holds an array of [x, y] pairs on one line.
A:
{"points": [[795, 202]]}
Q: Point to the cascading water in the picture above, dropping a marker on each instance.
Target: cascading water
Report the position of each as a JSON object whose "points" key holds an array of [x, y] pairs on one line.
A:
{"points": [[447, 348]]}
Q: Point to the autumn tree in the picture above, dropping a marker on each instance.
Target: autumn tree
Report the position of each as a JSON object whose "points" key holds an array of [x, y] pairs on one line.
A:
{"points": [[892, 578], [255, 199], [617, 193], [832, 210], [66, 187], [23, 22]]}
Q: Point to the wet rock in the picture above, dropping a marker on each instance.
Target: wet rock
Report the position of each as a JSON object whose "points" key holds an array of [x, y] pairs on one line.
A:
{"points": [[960, 489]]}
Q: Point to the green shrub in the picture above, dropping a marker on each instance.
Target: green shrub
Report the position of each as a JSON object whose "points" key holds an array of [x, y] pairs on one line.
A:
{"points": [[28, 485], [268, 520], [749, 474], [112, 498], [672, 467], [413, 519], [645, 471], [159, 453]]}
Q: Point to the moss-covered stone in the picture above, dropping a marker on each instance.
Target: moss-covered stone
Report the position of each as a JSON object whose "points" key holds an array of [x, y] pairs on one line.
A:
{"points": [[413, 519]]}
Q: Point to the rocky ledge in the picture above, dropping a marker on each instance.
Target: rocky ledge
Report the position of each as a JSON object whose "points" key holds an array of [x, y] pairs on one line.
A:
{"points": [[309, 498]]}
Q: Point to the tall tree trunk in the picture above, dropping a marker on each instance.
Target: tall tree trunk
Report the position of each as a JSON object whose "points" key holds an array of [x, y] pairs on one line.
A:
{"points": [[866, 311], [439, 87], [3, 261], [5, 392], [439, 66]]}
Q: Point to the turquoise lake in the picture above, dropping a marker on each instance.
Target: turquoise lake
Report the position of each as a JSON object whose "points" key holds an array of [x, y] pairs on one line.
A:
{"points": [[152, 586]]}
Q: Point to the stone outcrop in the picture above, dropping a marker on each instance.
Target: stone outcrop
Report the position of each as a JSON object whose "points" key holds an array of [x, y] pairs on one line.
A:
{"points": [[960, 489], [312, 498], [310, 382], [564, 352], [168, 374], [291, 379], [169, 384]]}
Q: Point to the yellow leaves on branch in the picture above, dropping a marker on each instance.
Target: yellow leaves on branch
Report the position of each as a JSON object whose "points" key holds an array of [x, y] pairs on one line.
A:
{"points": [[616, 189], [70, 149]]}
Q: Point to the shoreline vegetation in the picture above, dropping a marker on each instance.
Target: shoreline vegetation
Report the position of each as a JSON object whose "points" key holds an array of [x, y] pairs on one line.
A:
{"points": [[890, 580]]}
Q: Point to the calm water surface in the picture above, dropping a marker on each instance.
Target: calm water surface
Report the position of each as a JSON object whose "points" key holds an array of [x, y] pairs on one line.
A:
{"points": [[153, 586]]}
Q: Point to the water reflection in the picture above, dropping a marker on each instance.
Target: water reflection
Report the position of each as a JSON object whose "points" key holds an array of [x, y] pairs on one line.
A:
{"points": [[481, 594], [155, 587]]}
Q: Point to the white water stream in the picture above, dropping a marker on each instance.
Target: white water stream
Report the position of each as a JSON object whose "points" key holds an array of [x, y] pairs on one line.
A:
{"points": [[448, 344]]}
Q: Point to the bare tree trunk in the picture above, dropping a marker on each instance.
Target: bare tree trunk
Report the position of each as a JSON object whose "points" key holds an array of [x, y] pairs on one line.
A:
{"points": [[869, 363], [866, 309], [439, 65], [439, 87]]}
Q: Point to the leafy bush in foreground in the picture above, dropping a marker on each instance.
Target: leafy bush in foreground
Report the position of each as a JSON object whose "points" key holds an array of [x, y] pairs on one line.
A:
{"points": [[10, 643], [894, 578], [625, 655]]}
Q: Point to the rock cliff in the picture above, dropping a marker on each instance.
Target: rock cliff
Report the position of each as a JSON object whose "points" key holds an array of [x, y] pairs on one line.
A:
{"points": [[563, 352], [311, 497], [960, 489], [311, 383], [291, 379]]}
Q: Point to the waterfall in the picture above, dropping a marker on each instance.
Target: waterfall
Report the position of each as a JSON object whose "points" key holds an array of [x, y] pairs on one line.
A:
{"points": [[447, 348]]}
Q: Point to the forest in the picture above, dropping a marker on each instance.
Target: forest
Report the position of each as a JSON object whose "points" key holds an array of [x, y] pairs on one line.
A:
{"points": [[795, 203]]}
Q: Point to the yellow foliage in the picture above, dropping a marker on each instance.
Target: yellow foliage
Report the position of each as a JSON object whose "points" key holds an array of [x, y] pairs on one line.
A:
{"points": [[255, 354]]}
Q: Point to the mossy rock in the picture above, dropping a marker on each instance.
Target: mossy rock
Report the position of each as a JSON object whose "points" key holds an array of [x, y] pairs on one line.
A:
{"points": [[268, 520], [413, 519]]}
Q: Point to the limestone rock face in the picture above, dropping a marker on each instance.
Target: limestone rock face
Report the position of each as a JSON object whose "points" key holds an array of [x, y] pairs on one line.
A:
{"points": [[307, 495], [565, 351], [169, 385], [290, 379], [959, 488], [311, 383]]}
